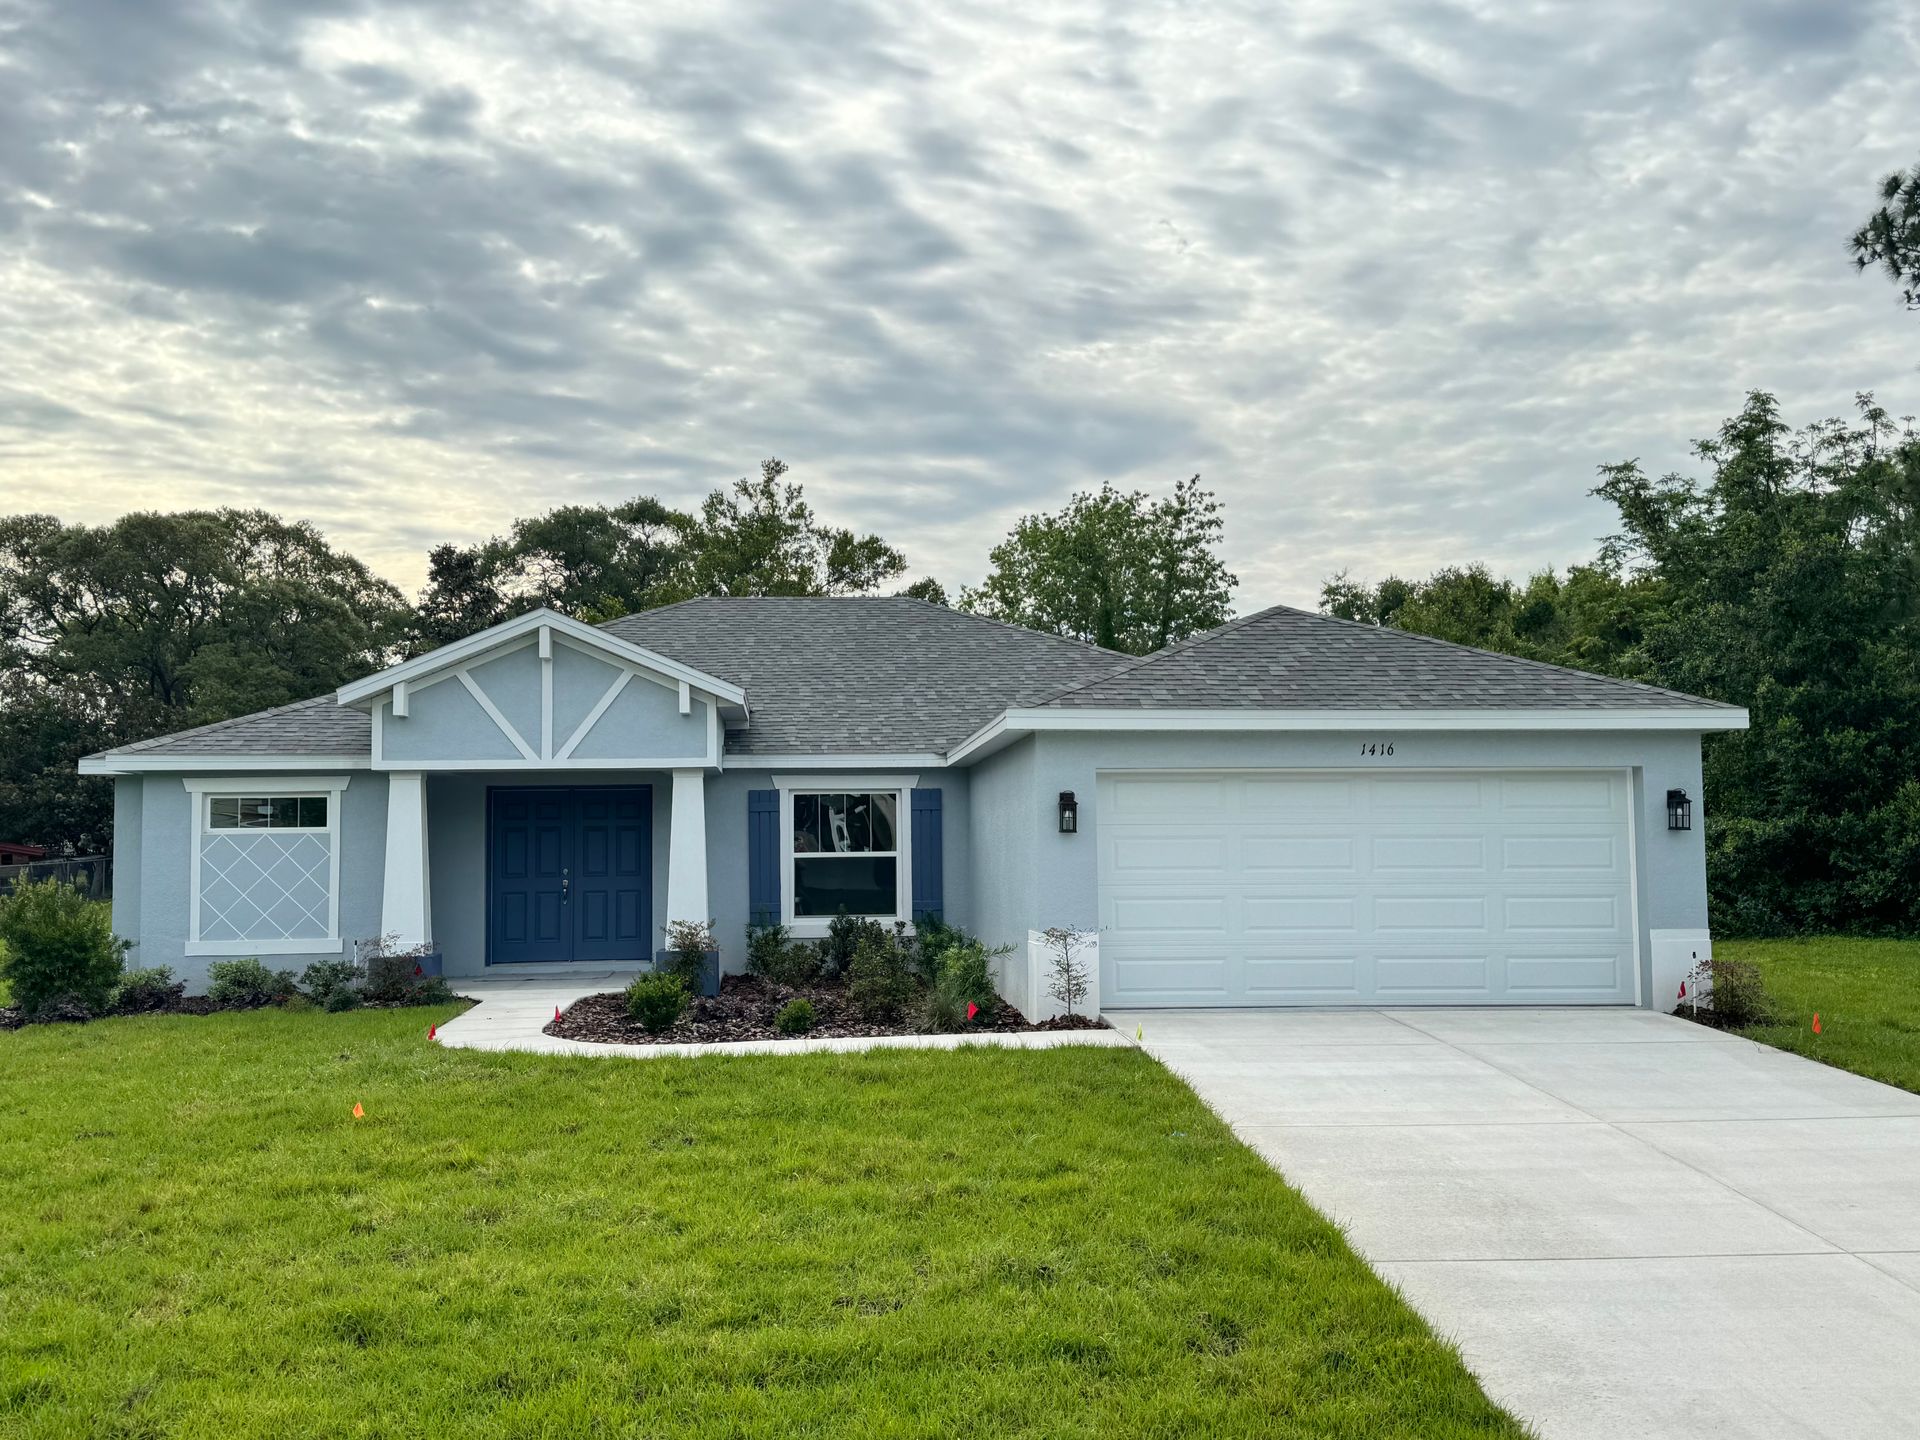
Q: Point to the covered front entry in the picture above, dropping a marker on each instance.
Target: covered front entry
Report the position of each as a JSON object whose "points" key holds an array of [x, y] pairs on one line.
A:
{"points": [[570, 873], [1303, 887]]}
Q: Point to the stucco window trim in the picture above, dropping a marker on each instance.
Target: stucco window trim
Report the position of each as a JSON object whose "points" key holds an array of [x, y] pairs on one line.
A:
{"points": [[201, 790], [814, 927]]}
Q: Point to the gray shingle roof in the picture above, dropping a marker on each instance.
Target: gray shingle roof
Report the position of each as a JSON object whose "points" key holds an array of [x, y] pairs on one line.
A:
{"points": [[1284, 658], [307, 727], [893, 675], [853, 674]]}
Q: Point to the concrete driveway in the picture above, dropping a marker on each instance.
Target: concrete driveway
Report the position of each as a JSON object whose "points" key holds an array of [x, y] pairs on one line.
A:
{"points": [[1631, 1225]]}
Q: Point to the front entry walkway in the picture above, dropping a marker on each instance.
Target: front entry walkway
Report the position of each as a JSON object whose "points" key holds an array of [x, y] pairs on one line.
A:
{"points": [[1630, 1224]]}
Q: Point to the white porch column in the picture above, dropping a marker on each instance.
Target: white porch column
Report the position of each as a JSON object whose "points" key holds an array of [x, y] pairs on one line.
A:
{"points": [[687, 849], [404, 903]]}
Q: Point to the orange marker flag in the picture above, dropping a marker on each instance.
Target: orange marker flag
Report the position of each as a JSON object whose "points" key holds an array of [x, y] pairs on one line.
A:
{"points": [[358, 1113], [432, 1031], [1816, 1022]]}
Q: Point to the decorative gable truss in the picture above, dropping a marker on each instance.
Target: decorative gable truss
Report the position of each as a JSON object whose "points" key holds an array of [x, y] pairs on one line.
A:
{"points": [[544, 692]]}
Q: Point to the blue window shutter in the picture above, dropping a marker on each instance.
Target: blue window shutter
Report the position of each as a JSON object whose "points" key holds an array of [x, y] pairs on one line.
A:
{"points": [[928, 868], [763, 857]]}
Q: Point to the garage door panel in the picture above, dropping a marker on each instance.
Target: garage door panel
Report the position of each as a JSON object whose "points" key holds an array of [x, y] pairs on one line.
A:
{"points": [[1224, 888], [1271, 857], [1414, 856], [1146, 857], [1547, 977], [1289, 979], [1398, 976], [1399, 913], [1562, 914], [1561, 854], [1191, 978], [1424, 796], [1266, 915], [1270, 796]]}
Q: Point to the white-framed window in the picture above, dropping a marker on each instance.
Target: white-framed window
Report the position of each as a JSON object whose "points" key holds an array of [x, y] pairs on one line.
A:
{"points": [[265, 865], [846, 846]]}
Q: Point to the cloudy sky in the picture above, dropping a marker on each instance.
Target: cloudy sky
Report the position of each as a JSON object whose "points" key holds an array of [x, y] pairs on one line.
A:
{"points": [[1393, 277]]}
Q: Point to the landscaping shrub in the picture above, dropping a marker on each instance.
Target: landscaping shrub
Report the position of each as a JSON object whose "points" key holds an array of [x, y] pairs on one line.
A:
{"points": [[795, 1017], [845, 934], [324, 979], [343, 997], [1739, 994], [657, 1001], [879, 983], [143, 991], [393, 976], [247, 984], [57, 945], [775, 955], [688, 941], [964, 969]]}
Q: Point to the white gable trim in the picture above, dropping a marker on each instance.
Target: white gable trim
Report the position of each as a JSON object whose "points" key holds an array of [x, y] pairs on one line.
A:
{"points": [[1012, 724], [586, 636]]}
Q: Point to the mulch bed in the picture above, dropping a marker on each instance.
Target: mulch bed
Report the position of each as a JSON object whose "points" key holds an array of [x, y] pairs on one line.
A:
{"points": [[745, 1008]]}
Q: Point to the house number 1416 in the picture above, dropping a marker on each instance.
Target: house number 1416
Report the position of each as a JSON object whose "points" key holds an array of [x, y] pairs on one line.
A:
{"points": [[1376, 747]]}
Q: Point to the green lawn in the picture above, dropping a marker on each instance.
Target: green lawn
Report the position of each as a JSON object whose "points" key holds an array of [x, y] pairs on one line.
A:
{"points": [[1866, 992], [198, 1239]]}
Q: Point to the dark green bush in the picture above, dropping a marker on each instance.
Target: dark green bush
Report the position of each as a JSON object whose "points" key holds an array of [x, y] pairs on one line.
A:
{"points": [[344, 997], [143, 991], [879, 982], [324, 979], [774, 954], [57, 945], [247, 984], [657, 1001], [795, 1017], [845, 934]]}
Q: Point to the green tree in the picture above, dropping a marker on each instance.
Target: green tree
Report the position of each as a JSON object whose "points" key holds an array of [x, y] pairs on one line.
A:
{"points": [[1120, 569], [113, 633], [1891, 237], [760, 537]]}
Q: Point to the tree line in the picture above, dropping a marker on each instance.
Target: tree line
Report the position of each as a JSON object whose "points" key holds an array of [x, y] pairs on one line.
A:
{"points": [[1786, 578], [159, 622]]}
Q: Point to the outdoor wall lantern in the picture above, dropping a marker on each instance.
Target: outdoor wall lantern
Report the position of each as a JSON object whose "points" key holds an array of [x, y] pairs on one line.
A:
{"points": [[1679, 810], [1069, 813]]}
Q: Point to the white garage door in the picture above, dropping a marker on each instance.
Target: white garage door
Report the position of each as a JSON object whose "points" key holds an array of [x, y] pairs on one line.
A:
{"points": [[1331, 888]]}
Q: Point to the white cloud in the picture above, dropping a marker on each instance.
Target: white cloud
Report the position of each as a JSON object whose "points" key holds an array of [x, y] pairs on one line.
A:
{"points": [[1395, 277]]}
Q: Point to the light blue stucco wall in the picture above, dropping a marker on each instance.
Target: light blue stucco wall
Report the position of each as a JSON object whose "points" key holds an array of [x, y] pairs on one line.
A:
{"points": [[153, 850], [1031, 876]]}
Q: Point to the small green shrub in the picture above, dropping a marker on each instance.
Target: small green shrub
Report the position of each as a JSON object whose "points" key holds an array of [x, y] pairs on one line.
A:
{"points": [[142, 991], [57, 945], [324, 979], [965, 969], [247, 984], [775, 955], [845, 934], [657, 1001], [688, 941], [795, 1017], [343, 998], [1739, 994], [879, 983]]}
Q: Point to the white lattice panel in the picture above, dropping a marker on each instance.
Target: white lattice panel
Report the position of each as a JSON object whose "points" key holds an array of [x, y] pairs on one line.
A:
{"points": [[265, 885]]}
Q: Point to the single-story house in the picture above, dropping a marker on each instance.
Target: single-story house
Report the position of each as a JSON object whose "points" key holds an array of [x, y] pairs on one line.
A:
{"points": [[13, 852], [1288, 810]]}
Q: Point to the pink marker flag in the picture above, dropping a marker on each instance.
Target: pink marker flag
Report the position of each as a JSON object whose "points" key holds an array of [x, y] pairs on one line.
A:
{"points": [[972, 1009], [432, 1031], [1683, 990], [556, 1012]]}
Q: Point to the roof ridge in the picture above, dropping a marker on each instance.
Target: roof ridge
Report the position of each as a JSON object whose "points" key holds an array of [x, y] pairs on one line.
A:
{"points": [[1178, 647], [1504, 655]]}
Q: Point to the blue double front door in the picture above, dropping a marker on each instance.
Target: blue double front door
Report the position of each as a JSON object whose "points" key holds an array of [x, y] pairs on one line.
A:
{"points": [[570, 873]]}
